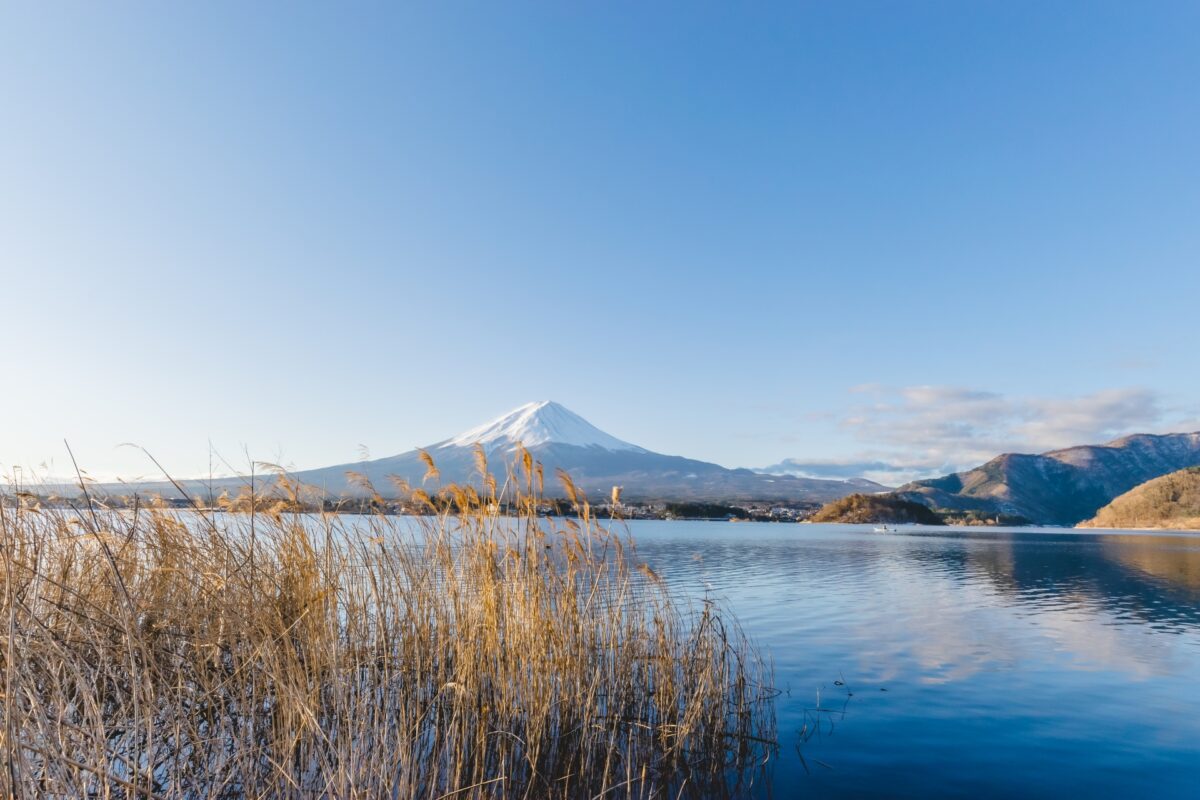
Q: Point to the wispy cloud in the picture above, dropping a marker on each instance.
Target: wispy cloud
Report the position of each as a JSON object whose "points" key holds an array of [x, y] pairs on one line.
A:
{"points": [[884, 472], [832, 468], [915, 431], [1103, 415]]}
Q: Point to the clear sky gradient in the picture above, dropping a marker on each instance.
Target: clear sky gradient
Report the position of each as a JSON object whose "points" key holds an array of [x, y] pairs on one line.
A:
{"points": [[884, 236]]}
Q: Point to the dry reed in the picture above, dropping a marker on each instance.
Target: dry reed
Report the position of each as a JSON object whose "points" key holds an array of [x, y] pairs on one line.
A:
{"points": [[469, 653]]}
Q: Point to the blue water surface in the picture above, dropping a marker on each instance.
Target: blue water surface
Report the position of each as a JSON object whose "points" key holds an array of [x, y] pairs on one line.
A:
{"points": [[953, 663]]}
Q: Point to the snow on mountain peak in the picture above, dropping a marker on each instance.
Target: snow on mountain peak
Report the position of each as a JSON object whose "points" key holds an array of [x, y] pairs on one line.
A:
{"points": [[542, 422]]}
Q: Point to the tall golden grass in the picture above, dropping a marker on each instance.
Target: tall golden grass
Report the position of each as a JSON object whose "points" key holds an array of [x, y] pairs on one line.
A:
{"points": [[151, 653]]}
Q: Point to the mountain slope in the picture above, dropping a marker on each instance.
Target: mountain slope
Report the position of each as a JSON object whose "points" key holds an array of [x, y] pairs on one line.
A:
{"points": [[557, 438], [1171, 501], [560, 439], [1061, 487]]}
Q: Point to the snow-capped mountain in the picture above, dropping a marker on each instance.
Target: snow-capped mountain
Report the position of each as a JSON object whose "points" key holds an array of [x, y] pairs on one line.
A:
{"points": [[534, 424], [561, 439]]}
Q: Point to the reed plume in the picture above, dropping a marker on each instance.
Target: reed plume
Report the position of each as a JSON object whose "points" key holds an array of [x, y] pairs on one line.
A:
{"points": [[153, 653]]}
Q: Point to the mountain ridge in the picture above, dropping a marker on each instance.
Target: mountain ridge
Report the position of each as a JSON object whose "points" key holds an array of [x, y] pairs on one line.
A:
{"points": [[1060, 487], [596, 461], [557, 438]]}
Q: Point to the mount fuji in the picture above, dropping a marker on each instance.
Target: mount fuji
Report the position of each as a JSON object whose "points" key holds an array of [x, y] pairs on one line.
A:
{"points": [[558, 438]]}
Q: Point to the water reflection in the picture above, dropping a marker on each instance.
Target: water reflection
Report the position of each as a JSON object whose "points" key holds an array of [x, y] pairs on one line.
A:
{"points": [[991, 659], [1171, 560]]}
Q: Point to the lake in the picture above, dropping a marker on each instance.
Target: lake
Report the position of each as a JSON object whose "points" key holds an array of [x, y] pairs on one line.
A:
{"points": [[948, 662]]}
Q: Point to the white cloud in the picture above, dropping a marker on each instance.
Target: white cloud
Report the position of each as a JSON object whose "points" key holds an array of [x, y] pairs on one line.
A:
{"points": [[918, 431], [887, 473], [1057, 422]]}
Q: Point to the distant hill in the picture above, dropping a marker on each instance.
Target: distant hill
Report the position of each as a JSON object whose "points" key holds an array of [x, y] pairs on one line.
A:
{"points": [[803, 469], [557, 438], [1061, 487], [865, 508], [1172, 501]]}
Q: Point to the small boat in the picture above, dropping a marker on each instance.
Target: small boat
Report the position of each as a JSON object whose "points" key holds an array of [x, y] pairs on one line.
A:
{"points": [[884, 529]]}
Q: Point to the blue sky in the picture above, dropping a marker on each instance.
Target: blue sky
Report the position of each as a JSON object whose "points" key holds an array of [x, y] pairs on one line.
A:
{"points": [[875, 234]]}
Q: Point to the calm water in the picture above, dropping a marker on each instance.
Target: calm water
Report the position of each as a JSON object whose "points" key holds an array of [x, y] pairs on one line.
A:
{"points": [[974, 663]]}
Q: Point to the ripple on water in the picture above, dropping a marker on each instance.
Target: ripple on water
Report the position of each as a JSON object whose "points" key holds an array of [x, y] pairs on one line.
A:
{"points": [[1032, 663]]}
